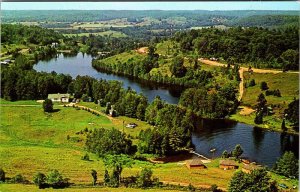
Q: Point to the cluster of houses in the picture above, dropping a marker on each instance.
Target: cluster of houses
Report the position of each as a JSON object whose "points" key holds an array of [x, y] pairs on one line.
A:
{"points": [[225, 164]]}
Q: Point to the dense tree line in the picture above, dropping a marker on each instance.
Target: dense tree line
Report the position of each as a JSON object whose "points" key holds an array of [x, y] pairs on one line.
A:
{"points": [[108, 141], [23, 34], [270, 48], [257, 180], [193, 18], [141, 66], [173, 129], [20, 84], [213, 104], [266, 21]]}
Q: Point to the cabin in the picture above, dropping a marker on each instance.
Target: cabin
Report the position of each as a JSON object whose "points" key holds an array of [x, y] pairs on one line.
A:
{"points": [[228, 164], [64, 98], [131, 125], [245, 161], [195, 163], [54, 45], [248, 168]]}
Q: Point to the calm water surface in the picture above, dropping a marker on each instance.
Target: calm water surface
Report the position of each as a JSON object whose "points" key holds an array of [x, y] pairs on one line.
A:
{"points": [[259, 145], [81, 65]]}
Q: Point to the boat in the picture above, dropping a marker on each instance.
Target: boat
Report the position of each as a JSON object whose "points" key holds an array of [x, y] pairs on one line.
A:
{"points": [[212, 150]]}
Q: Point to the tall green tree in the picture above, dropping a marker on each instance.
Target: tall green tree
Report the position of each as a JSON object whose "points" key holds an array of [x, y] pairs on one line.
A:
{"points": [[238, 151], [287, 165], [94, 175], [177, 68]]}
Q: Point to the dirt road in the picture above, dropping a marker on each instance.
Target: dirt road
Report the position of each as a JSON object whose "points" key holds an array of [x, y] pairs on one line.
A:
{"points": [[241, 71]]}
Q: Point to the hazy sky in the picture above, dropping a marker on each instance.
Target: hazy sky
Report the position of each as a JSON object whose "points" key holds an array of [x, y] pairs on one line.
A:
{"points": [[151, 5]]}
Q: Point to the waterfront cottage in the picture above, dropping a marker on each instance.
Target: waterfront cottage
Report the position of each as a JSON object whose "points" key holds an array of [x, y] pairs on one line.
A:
{"points": [[248, 168], [64, 98], [228, 164], [195, 163]]}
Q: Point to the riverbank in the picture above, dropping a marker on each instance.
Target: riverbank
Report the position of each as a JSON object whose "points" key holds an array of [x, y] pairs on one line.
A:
{"points": [[270, 123]]}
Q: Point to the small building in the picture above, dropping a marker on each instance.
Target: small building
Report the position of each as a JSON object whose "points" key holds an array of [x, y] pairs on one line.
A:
{"points": [[131, 125], [228, 164], [245, 161], [248, 168], [195, 163], [54, 45], [64, 98]]}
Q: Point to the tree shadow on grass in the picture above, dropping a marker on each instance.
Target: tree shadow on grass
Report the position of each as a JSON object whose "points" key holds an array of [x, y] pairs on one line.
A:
{"points": [[55, 110]]}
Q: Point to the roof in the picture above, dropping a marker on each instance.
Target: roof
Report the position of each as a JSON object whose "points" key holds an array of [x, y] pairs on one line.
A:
{"points": [[251, 167], [194, 162], [228, 162], [58, 95]]}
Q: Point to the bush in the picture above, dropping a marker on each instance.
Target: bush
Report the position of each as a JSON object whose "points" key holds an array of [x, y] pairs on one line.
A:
{"points": [[2, 175], [86, 157], [18, 179], [251, 83], [264, 86], [48, 105], [273, 92], [39, 179], [144, 179], [56, 180]]}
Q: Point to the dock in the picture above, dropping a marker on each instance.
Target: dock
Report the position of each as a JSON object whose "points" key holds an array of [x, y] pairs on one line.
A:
{"points": [[199, 155]]}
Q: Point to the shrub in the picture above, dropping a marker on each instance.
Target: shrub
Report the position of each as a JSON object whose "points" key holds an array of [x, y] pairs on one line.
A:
{"points": [[18, 179], [251, 83], [86, 157], [39, 179], [144, 179], [48, 105], [264, 86], [2, 175]]}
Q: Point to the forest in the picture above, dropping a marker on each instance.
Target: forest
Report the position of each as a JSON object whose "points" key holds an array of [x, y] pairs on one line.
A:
{"points": [[269, 48]]}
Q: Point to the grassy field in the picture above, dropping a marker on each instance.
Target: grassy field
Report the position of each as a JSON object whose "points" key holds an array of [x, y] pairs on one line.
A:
{"points": [[287, 83], [32, 141], [110, 33], [32, 188]]}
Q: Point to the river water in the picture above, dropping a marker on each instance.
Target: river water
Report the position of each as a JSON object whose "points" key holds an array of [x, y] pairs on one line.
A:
{"points": [[258, 145]]}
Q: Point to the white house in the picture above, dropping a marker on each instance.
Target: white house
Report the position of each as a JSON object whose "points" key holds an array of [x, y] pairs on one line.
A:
{"points": [[64, 98]]}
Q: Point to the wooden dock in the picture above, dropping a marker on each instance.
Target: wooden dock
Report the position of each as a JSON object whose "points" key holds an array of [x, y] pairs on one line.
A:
{"points": [[199, 155]]}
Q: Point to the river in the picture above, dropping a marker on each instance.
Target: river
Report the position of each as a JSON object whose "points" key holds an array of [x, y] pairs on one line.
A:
{"points": [[258, 145]]}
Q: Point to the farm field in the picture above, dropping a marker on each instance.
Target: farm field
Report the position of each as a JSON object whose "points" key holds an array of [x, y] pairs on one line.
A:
{"points": [[110, 33]]}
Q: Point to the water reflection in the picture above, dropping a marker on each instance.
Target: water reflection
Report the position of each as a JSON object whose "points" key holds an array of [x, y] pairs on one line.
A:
{"points": [[80, 64], [259, 145], [258, 137]]}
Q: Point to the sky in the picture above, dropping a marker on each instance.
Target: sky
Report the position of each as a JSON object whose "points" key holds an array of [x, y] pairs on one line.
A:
{"points": [[258, 5]]}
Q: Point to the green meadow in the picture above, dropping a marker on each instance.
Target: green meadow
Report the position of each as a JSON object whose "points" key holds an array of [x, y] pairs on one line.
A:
{"points": [[33, 141]]}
